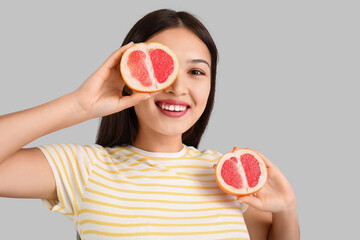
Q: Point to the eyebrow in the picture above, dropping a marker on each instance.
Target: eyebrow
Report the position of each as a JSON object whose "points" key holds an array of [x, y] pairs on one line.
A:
{"points": [[198, 60]]}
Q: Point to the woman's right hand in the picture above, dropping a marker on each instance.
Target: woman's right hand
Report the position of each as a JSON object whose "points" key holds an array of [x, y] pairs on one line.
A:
{"points": [[101, 93]]}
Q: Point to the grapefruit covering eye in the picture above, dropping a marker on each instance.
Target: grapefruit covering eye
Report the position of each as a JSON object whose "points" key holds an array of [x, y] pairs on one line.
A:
{"points": [[149, 67], [241, 172]]}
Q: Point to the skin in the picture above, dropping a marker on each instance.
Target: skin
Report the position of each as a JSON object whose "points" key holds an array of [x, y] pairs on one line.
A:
{"points": [[158, 132], [25, 173]]}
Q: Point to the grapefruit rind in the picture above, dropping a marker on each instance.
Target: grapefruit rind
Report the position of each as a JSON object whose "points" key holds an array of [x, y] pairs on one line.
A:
{"points": [[237, 152], [156, 86]]}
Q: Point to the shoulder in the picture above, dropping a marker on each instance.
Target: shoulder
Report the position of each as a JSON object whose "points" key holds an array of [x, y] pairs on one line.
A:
{"points": [[97, 153], [210, 154], [116, 152]]}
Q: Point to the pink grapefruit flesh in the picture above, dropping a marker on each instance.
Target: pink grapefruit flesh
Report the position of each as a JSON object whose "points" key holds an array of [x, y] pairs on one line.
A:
{"points": [[230, 173], [149, 67], [137, 67], [241, 172], [252, 169], [162, 63]]}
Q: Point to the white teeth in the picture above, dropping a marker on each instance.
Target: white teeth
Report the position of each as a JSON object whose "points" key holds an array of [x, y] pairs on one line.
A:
{"points": [[176, 108]]}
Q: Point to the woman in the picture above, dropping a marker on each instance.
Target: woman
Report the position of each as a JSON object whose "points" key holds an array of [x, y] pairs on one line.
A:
{"points": [[144, 179]]}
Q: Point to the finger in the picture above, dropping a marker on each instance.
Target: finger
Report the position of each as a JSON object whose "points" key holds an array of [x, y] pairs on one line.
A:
{"points": [[132, 100], [115, 57], [268, 163], [251, 201]]}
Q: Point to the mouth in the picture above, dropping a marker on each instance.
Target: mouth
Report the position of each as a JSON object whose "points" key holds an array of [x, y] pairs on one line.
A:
{"points": [[172, 108]]}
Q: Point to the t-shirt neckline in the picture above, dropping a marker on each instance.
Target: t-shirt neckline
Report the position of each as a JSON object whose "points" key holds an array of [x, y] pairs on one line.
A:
{"points": [[159, 154]]}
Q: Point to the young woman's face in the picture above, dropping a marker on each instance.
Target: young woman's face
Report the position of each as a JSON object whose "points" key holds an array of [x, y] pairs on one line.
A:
{"points": [[190, 90]]}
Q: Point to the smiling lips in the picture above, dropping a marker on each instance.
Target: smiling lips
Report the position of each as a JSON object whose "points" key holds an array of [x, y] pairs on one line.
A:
{"points": [[172, 108]]}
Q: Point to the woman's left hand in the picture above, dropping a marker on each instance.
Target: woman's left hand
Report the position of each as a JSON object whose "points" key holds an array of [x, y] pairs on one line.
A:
{"points": [[276, 196]]}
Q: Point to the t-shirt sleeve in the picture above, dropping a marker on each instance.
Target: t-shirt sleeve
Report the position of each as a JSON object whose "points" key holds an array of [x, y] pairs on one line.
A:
{"points": [[243, 206], [71, 165]]}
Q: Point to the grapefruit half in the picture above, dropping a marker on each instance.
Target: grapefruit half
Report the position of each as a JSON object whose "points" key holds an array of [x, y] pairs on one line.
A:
{"points": [[241, 172], [149, 67]]}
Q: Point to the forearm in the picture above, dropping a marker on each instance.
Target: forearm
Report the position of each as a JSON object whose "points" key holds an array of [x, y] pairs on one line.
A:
{"points": [[20, 128], [285, 226]]}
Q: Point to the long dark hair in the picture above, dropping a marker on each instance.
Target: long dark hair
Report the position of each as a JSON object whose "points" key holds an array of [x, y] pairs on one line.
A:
{"points": [[121, 128]]}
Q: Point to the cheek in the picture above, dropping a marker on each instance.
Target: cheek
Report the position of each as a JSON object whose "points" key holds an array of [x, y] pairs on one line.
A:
{"points": [[202, 94], [142, 109]]}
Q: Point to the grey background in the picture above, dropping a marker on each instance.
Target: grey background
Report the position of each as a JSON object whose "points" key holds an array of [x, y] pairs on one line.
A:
{"points": [[287, 86]]}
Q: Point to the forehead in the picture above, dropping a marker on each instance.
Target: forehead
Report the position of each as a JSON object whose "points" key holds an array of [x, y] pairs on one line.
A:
{"points": [[184, 43]]}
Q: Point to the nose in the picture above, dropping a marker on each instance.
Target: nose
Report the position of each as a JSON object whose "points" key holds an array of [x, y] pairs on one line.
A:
{"points": [[179, 87]]}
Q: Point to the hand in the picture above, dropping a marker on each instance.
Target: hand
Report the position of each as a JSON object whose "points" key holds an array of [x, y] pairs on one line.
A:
{"points": [[101, 93], [277, 194]]}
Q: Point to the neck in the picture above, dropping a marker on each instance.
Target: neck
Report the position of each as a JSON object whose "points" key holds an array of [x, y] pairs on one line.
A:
{"points": [[158, 143]]}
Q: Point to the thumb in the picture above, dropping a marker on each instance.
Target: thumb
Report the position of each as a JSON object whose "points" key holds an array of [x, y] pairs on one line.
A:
{"points": [[133, 99]]}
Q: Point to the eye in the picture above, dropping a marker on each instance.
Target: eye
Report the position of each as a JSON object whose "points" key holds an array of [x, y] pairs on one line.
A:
{"points": [[196, 72]]}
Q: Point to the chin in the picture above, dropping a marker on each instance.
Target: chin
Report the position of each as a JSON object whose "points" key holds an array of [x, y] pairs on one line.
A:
{"points": [[173, 130]]}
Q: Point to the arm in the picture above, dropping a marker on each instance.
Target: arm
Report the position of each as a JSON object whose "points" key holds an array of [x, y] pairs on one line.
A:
{"points": [[272, 212], [285, 225], [36, 122], [26, 172]]}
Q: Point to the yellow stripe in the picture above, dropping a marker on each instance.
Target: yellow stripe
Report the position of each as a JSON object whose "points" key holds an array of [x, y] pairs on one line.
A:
{"points": [[156, 200], [129, 155], [196, 151], [150, 157], [153, 184], [58, 189], [141, 163], [96, 156], [156, 208], [180, 158], [118, 162], [169, 177], [153, 177], [106, 155], [143, 170], [77, 165], [70, 214], [85, 165], [85, 210], [88, 154], [157, 224], [190, 166], [112, 157], [161, 233], [163, 170], [173, 166], [237, 238], [140, 160], [118, 149], [211, 154], [52, 203], [168, 158], [67, 175], [121, 149], [157, 192], [196, 174]]}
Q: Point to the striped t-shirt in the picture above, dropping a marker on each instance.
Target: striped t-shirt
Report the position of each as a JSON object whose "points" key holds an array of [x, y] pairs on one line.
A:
{"points": [[128, 193]]}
